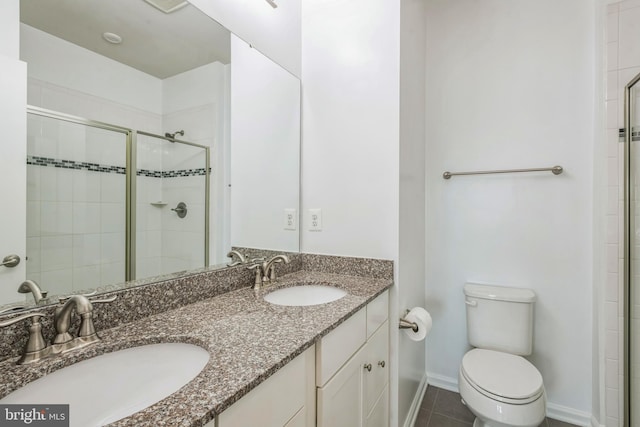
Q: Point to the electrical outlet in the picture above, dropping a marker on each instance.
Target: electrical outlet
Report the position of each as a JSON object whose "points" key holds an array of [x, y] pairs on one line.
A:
{"points": [[315, 219], [290, 219]]}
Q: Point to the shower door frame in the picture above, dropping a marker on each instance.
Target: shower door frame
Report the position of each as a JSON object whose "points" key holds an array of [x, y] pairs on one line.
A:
{"points": [[627, 277], [130, 181]]}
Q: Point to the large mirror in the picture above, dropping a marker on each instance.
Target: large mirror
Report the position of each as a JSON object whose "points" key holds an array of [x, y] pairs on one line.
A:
{"points": [[156, 141]]}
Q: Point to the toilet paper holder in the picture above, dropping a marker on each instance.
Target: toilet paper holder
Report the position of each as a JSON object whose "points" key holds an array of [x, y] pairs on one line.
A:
{"points": [[405, 324]]}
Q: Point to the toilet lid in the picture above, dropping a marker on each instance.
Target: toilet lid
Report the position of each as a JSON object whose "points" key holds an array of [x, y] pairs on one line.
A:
{"points": [[502, 374]]}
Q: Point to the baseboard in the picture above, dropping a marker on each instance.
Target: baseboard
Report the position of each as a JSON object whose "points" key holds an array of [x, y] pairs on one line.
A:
{"points": [[570, 415], [412, 416], [595, 423], [441, 381]]}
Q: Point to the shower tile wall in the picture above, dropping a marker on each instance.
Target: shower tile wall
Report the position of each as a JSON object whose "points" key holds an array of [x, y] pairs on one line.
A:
{"points": [[623, 63], [166, 243]]}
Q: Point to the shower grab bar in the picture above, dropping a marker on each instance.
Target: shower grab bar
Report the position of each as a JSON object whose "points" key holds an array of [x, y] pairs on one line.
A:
{"points": [[556, 170]]}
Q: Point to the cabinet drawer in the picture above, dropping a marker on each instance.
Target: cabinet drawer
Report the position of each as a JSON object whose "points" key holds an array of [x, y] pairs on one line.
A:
{"points": [[339, 345], [377, 312]]}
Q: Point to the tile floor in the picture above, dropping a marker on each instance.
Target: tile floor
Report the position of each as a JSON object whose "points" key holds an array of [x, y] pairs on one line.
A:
{"points": [[443, 408]]}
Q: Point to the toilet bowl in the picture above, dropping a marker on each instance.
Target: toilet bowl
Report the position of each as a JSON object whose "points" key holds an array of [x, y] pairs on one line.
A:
{"points": [[501, 389]]}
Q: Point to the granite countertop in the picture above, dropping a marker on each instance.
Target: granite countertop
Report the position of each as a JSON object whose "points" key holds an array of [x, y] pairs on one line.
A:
{"points": [[248, 340]]}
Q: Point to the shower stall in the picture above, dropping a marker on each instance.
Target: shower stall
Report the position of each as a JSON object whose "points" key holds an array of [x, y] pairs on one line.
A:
{"points": [[632, 253], [107, 204]]}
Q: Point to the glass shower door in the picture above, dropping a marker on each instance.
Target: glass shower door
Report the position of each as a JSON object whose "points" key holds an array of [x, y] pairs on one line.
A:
{"points": [[632, 248], [172, 205]]}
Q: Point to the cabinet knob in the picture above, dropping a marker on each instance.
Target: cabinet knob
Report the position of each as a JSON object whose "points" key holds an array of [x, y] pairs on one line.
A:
{"points": [[381, 363], [368, 367]]}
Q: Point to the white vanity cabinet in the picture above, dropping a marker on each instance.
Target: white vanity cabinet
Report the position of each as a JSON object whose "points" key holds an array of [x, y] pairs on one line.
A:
{"points": [[343, 381], [286, 399], [353, 385]]}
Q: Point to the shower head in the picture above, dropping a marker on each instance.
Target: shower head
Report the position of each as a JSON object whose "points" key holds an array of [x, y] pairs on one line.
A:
{"points": [[173, 135]]}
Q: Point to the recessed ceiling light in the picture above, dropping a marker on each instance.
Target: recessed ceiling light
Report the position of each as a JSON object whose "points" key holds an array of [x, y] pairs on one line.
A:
{"points": [[112, 38], [167, 6]]}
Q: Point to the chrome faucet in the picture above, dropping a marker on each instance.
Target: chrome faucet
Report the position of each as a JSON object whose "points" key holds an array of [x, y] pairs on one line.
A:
{"points": [[37, 348], [269, 267], [31, 286], [265, 271], [62, 320]]}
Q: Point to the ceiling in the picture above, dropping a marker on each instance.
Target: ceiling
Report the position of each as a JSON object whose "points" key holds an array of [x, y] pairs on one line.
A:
{"points": [[156, 43]]}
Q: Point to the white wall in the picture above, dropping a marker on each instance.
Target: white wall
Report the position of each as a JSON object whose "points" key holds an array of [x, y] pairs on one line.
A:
{"points": [[274, 32], [87, 72], [350, 74], [511, 85], [411, 268], [9, 28], [265, 150], [363, 153]]}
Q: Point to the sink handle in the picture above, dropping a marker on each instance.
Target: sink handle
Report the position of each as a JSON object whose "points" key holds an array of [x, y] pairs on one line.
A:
{"points": [[9, 322], [257, 283], [64, 299], [36, 345], [102, 301], [87, 330]]}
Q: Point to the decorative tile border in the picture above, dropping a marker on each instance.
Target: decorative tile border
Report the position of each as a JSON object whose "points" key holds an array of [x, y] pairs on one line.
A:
{"points": [[184, 172], [635, 135], [71, 164], [95, 167]]}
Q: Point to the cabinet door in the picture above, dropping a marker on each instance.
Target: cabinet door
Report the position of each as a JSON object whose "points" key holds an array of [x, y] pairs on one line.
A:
{"points": [[340, 400], [379, 416], [377, 355]]}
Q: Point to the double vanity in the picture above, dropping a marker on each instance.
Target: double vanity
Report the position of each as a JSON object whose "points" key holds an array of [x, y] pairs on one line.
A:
{"points": [[231, 359]]}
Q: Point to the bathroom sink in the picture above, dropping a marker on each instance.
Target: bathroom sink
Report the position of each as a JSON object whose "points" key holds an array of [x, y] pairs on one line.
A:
{"points": [[115, 385], [304, 295]]}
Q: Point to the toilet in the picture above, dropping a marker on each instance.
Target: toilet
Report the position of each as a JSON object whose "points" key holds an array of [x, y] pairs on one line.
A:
{"points": [[496, 383]]}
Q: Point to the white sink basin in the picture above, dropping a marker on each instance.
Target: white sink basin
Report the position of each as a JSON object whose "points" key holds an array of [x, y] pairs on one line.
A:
{"points": [[115, 385], [304, 295]]}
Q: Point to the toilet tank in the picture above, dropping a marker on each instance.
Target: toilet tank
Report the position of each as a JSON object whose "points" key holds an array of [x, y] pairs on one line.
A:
{"points": [[500, 318]]}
